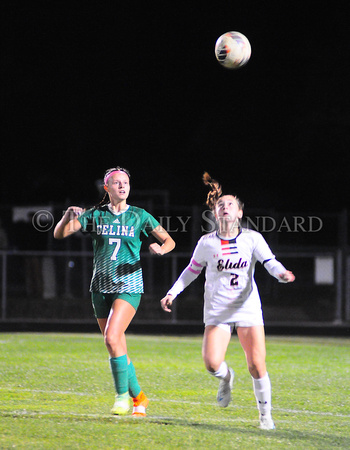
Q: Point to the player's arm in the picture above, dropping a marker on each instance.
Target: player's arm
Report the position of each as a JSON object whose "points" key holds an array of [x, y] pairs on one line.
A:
{"points": [[166, 241], [264, 254], [69, 223], [189, 274], [277, 270], [268, 260]]}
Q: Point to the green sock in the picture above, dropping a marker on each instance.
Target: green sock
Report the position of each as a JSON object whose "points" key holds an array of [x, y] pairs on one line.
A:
{"points": [[134, 387], [119, 367]]}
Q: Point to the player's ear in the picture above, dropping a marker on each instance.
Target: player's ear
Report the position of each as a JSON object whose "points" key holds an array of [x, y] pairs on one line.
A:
{"points": [[105, 188], [240, 214]]}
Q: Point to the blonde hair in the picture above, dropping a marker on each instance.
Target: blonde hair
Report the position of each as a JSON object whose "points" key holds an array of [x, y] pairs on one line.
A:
{"points": [[216, 192]]}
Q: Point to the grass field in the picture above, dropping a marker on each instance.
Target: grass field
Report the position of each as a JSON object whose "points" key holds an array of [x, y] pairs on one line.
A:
{"points": [[56, 391]]}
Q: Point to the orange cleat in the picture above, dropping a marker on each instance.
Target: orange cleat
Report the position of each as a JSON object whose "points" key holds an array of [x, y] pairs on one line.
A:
{"points": [[140, 405]]}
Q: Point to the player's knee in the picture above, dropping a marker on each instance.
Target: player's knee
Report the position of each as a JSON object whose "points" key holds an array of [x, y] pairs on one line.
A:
{"points": [[112, 340], [257, 369], [211, 368], [108, 341], [211, 365]]}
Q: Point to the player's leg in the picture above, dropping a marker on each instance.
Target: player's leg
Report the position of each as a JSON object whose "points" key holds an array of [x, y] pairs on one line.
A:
{"points": [[215, 343], [119, 318], [102, 323], [122, 312], [134, 387], [252, 340]]}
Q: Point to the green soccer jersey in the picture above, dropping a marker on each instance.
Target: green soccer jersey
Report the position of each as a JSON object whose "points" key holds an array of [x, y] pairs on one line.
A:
{"points": [[116, 240]]}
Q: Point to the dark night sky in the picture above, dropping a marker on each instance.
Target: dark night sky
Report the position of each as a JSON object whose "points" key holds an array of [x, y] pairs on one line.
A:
{"points": [[89, 85]]}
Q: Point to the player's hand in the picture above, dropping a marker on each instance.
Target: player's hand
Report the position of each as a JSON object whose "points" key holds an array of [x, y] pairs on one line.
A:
{"points": [[166, 302], [73, 212], [156, 249], [287, 276]]}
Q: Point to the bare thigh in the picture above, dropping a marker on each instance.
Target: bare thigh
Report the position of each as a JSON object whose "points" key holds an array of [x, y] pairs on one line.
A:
{"points": [[252, 340], [115, 326], [215, 343]]}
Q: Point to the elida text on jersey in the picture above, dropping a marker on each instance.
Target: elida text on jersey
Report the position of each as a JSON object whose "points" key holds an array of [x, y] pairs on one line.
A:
{"points": [[230, 265]]}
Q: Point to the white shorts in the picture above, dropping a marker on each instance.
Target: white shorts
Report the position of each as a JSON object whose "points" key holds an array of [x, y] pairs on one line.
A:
{"points": [[248, 314], [230, 326]]}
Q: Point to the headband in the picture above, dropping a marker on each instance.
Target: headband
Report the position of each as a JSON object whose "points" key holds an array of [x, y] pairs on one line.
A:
{"points": [[111, 173]]}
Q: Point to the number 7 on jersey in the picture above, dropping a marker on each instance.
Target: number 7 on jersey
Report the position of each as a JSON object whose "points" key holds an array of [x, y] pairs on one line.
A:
{"points": [[117, 243]]}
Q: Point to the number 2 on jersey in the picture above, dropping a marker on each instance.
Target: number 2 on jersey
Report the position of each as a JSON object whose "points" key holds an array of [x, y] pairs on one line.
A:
{"points": [[117, 243], [234, 280]]}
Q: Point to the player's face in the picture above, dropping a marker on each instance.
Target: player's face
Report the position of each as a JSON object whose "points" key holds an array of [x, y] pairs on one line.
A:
{"points": [[118, 186], [227, 209]]}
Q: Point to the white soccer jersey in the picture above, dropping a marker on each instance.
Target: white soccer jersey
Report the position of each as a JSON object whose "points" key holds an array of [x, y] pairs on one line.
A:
{"points": [[231, 294]]}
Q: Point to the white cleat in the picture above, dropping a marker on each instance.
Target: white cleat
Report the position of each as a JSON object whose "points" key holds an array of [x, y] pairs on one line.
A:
{"points": [[266, 422], [224, 392]]}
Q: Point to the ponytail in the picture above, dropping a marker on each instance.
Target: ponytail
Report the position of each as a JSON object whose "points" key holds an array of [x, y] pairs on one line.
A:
{"points": [[215, 190], [104, 201]]}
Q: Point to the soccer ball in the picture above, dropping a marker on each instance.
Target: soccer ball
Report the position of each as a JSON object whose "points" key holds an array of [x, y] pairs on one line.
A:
{"points": [[232, 50]]}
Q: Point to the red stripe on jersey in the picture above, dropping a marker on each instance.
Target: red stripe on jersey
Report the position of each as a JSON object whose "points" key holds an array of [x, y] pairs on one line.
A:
{"points": [[228, 248]]}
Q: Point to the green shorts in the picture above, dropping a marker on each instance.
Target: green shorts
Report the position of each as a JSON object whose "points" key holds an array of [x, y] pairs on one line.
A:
{"points": [[103, 302]]}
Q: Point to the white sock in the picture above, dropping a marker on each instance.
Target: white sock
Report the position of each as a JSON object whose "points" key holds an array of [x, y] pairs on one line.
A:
{"points": [[221, 372], [262, 391]]}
